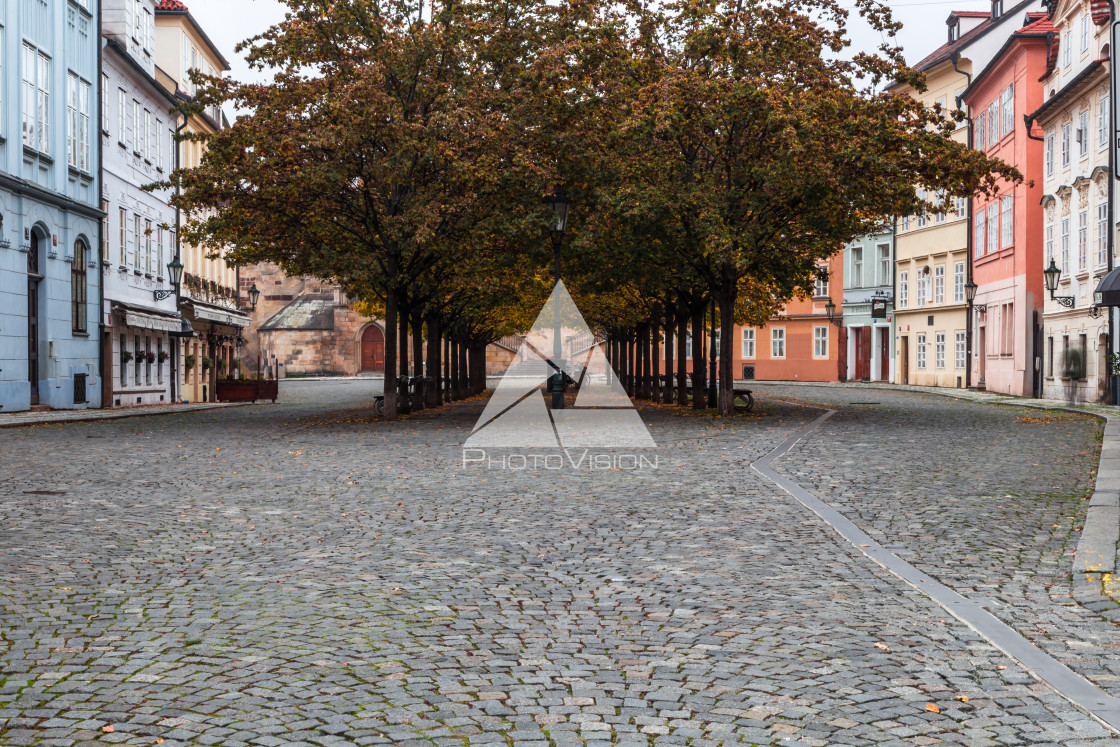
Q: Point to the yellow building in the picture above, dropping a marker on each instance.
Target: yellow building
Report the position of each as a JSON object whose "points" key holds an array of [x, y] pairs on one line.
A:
{"points": [[209, 295], [931, 251]]}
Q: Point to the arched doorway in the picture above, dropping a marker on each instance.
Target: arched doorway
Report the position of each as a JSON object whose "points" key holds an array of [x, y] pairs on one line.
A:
{"points": [[34, 277], [373, 350]]}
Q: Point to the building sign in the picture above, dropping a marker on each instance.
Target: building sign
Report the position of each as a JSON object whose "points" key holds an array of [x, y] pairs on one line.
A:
{"points": [[878, 308]]}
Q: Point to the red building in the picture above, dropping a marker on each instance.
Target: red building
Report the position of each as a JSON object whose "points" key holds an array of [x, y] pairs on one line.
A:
{"points": [[1006, 235]]}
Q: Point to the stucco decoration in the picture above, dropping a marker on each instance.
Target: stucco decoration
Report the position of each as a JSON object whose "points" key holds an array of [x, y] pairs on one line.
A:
{"points": [[1100, 178], [1064, 193], [1081, 184]]}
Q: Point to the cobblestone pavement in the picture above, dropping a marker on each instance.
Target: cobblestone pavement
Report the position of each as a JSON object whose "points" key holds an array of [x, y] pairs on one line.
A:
{"points": [[298, 574]]}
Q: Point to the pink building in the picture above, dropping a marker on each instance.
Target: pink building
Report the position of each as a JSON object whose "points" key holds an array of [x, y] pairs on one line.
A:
{"points": [[1006, 232]]}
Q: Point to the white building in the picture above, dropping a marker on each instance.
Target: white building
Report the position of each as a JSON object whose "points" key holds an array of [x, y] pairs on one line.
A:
{"points": [[138, 148]]}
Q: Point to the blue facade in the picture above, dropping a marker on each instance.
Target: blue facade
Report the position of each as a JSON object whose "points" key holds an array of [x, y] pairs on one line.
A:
{"points": [[50, 267]]}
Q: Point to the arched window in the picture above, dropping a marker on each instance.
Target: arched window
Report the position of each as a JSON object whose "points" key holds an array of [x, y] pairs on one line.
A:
{"points": [[78, 286]]}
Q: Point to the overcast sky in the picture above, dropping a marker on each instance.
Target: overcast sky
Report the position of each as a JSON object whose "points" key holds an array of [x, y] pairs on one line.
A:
{"points": [[228, 22]]}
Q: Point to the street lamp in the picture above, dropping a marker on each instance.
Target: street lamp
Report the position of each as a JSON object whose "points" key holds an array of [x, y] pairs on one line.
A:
{"points": [[1052, 275], [830, 309], [559, 203], [254, 296], [174, 276], [970, 296]]}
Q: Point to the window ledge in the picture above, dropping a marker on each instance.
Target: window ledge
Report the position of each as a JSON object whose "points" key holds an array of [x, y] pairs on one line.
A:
{"points": [[122, 145], [78, 333]]}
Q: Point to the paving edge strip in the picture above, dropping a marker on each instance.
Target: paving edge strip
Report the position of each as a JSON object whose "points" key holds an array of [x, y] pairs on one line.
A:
{"points": [[115, 414], [1070, 685]]}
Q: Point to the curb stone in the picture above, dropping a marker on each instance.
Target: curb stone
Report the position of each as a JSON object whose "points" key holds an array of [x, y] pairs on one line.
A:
{"points": [[59, 417]]}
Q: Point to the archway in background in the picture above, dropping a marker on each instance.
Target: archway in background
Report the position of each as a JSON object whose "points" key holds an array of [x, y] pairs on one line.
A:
{"points": [[373, 350]]}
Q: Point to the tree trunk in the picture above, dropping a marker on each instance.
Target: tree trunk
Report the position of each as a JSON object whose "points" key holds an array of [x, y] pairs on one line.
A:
{"points": [[444, 386], [390, 388], [464, 373], [403, 405], [419, 402], [453, 357], [432, 369], [682, 355], [478, 368], [713, 359], [726, 376], [667, 392], [699, 375], [655, 362]]}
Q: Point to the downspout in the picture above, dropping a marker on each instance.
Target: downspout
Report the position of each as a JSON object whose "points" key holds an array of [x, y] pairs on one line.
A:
{"points": [[1111, 342], [179, 288], [102, 333], [894, 300], [956, 58]]}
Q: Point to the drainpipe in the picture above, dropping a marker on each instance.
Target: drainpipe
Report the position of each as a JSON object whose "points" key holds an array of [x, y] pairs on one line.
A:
{"points": [[1111, 341], [102, 333], [894, 297], [179, 288], [954, 59]]}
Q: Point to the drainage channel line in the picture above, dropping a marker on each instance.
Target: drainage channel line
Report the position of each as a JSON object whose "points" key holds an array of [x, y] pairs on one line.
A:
{"points": [[1070, 685]]}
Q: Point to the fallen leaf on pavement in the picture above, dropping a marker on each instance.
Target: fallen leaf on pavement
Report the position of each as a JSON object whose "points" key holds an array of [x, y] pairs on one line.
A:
{"points": [[933, 708]]}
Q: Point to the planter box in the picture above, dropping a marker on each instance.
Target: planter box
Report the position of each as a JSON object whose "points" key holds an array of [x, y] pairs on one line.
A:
{"points": [[247, 391]]}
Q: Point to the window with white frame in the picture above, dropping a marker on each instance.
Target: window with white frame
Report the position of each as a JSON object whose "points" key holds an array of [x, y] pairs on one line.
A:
{"points": [[1065, 246], [1007, 101], [905, 223], [124, 237], [36, 99], [1007, 236], [940, 216], [1050, 154], [960, 351], [884, 263], [778, 342], [820, 285], [1084, 33], [153, 137], [1065, 144], [903, 289], [1049, 244], [137, 123], [979, 232], [158, 144], [1067, 49], [920, 349], [993, 227], [104, 103], [961, 208], [981, 138], [820, 342], [688, 345], [748, 342], [77, 122], [922, 215], [137, 259], [122, 116], [857, 267], [939, 284], [1102, 234], [104, 255], [993, 124], [159, 252], [1083, 132], [148, 257], [1102, 122], [958, 282], [144, 124], [939, 350], [1083, 240]]}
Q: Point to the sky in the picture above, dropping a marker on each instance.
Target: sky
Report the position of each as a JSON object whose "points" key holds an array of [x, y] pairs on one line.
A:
{"points": [[228, 22]]}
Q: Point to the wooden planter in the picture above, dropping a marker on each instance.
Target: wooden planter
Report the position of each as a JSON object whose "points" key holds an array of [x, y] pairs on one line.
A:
{"points": [[247, 391]]}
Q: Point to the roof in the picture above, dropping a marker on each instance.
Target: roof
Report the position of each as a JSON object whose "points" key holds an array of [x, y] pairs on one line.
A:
{"points": [[176, 8], [970, 14], [171, 5], [945, 51], [311, 311], [1068, 91], [1039, 27]]}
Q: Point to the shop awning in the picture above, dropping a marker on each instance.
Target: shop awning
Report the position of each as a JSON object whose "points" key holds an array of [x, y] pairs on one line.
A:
{"points": [[218, 315], [1108, 290], [160, 321]]}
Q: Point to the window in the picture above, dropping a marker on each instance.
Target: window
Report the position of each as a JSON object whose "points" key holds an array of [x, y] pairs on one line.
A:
{"points": [[820, 342], [920, 349], [148, 246], [1084, 33], [978, 237], [139, 360], [981, 132], [939, 350], [857, 267], [1102, 234], [993, 227], [1050, 357], [78, 289], [148, 360], [748, 342], [1065, 145], [104, 232], [993, 124], [919, 281], [958, 282], [124, 238], [905, 223], [1067, 44], [149, 31], [940, 217], [137, 262], [1049, 245], [135, 137], [122, 116], [820, 285], [104, 103], [939, 284], [884, 264], [688, 345], [77, 122], [36, 99], [1050, 155], [124, 366], [959, 361], [1083, 134], [1082, 240], [159, 252], [157, 144], [159, 360], [138, 20], [962, 207], [903, 289], [144, 127], [922, 214], [1065, 246], [1007, 101], [1102, 122], [1007, 329], [778, 342], [1007, 237]]}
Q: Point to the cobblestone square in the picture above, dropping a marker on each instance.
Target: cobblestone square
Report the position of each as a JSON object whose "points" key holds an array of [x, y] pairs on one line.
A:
{"points": [[302, 573]]}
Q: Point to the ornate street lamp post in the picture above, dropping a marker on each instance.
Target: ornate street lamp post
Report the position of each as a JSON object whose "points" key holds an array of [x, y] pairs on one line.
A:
{"points": [[830, 309], [560, 204], [174, 276]]}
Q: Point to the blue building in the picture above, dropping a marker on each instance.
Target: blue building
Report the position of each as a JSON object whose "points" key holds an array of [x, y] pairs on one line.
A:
{"points": [[50, 205], [869, 307]]}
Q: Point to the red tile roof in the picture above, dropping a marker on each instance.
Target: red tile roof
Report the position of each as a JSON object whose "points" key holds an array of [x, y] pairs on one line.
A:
{"points": [[172, 5], [1041, 25], [943, 52], [1100, 11]]}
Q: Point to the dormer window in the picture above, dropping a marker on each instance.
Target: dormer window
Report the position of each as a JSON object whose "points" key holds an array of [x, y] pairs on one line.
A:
{"points": [[997, 9], [954, 29]]}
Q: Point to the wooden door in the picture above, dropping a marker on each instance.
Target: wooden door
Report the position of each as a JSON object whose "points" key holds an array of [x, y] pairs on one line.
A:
{"points": [[904, 360], [373, 349], [884, 355], [863, 353], [33, 279]]}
